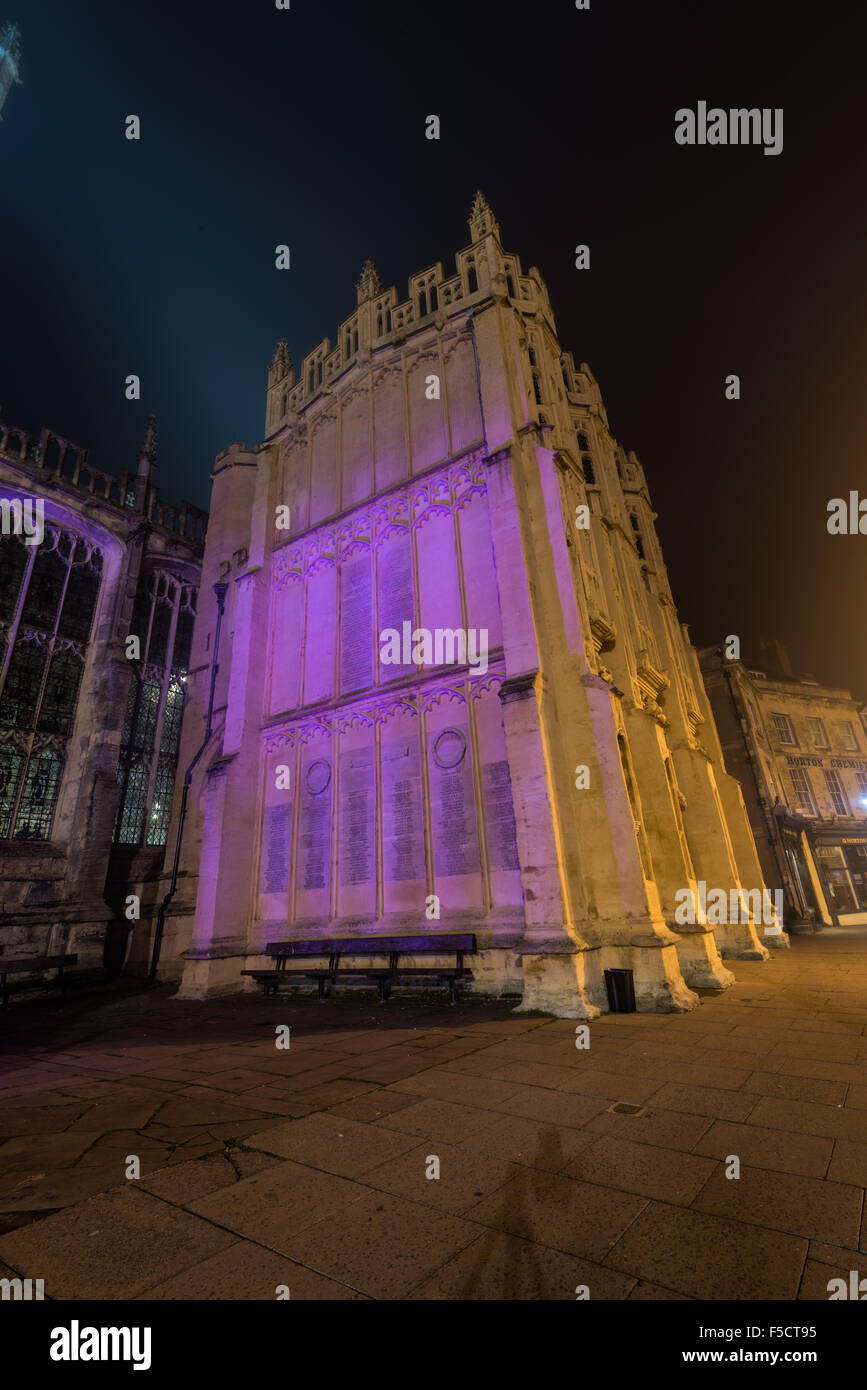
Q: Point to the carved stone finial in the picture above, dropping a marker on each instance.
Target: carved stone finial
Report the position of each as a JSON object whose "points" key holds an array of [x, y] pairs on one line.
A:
{"points": [[281, 363], [482, 221], [369, 285]]}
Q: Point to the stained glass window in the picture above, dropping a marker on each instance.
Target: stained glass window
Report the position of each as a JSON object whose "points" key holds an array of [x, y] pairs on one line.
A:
{"points": [[48, 597], [11, 766], [13, 563], [162, 619], [36, 808]]}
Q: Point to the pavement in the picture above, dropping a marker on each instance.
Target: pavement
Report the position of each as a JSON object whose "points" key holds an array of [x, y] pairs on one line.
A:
{"points": [[416, 1151]]}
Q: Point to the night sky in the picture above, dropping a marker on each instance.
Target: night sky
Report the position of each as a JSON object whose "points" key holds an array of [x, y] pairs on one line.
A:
{"points": [[307, 127]]}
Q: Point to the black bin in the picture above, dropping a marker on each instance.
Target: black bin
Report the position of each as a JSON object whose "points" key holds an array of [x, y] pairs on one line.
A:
{"points": [[620, 985]]}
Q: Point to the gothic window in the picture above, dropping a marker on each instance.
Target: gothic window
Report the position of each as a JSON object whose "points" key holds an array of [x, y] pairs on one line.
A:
{"points": [[472, 278], [582, 443], [163, 619], [537, 388], [510, 286], [36, 806], [13, 563], [587, 465], [48, 597]]}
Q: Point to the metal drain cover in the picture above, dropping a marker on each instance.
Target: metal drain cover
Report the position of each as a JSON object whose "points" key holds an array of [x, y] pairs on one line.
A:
{"points": [[621, 1108]]}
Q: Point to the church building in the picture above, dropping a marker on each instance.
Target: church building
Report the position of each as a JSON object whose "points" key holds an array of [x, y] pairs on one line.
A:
{"points": [[452, 690]]}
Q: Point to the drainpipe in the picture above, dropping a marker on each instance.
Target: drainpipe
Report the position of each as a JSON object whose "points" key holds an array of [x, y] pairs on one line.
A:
{"points": [[220, 590]]}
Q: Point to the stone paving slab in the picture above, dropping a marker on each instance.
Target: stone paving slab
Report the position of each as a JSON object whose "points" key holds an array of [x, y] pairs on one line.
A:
{"points": [[558, 1166]]}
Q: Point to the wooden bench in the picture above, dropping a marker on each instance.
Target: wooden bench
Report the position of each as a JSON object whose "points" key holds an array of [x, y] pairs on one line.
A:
{"points": [[27, 965], [350, 948]]}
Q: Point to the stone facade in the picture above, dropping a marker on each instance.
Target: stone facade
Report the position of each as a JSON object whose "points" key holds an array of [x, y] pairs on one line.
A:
{"points": [[78, 717], [800, 752], [449, 469]]}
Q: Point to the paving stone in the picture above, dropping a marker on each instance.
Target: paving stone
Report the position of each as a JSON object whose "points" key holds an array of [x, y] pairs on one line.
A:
{"points": [[274, 1205], [52, 1119], [183, 1183], [578, 1218], [807, 1117], [386, 1247], [244, 1272], [503, 1267], [708, 1257], [554, 1107], [436, 1119], [124, 1114], [334, 1144], [373, 1105], [30, 1152], [444, 1084], [640, 1168], [705, 1100], [464, 1178], [526, 1142], [817, 1276], [777, 1149], [654, 1294], [668, 1129], [786, 1087], [113, 1246], [848, 1163], [826, 1211], [26, 1192], [182, 1111]]}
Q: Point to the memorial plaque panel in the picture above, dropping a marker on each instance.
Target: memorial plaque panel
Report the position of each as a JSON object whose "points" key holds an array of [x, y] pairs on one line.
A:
{"points": [[456, 849], [402, 822], [314, 838], [500, 816], [276, 837], [396, 603], [357, 817], [356, 624]]}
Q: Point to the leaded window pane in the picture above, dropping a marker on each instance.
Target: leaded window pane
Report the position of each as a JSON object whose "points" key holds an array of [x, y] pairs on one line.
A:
{"points": [[160, 634], [44, 591], [171, 735], [79, 603], [36, 807], [158, 824], [20, 699], [61, 694], [183, 640], [133, 814], [13, 562], [11, 767]]}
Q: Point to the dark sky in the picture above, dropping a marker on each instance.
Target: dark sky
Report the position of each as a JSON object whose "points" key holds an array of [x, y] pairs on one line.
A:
{"points": [[307, 127]]}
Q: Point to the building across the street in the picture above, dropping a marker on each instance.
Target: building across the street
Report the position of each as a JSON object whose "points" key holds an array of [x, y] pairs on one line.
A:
{"points": [[800, 752], [89, 721], [453, 692]]}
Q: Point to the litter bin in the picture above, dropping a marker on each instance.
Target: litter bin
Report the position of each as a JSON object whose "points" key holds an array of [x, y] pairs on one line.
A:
{"points": [[620, 985]]}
